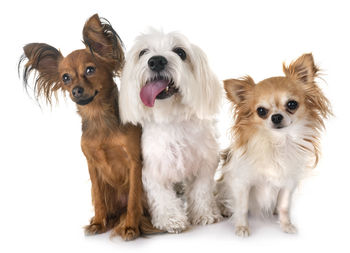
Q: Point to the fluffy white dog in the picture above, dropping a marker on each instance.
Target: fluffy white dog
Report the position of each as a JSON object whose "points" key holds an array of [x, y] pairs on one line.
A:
{"points": [[168, 88]]}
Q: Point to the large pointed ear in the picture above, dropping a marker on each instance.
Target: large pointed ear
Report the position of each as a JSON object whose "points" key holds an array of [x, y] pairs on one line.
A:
{"points": [[302, 69], [100, 37], [44, 59], [238, 89]]}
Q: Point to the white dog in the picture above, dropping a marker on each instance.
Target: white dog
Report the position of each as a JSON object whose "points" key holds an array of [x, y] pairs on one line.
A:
{"points": [[168, 88]]}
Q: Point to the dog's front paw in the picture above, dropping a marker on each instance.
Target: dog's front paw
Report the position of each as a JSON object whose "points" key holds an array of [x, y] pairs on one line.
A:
{"points": [[96, 227], [129, 233], [173, 225], [242, 231], [176, 226], [289, 228]]}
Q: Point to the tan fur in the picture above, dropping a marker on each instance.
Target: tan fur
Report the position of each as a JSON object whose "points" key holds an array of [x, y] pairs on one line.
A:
{"points": [[275, 143], [112, 150], [298, 82]]}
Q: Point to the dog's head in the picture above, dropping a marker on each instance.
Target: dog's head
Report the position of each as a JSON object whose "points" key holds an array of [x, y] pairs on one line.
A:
{"points": [[167, 77], [83, 73], [293, 104]]}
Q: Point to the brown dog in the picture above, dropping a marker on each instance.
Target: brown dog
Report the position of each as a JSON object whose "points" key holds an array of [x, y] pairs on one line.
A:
{"points": [[112, 150]]}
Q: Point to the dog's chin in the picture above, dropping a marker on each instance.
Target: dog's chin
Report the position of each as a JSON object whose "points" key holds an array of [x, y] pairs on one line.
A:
{"points": [[280, 126], [86, 100]]}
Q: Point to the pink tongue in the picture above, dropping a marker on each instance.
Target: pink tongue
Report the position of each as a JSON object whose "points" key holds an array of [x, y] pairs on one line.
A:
{"points": [[150, 91]]}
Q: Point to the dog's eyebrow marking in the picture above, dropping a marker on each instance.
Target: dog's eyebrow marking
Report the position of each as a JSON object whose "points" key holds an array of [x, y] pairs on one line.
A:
{"points": [[89, 64]]}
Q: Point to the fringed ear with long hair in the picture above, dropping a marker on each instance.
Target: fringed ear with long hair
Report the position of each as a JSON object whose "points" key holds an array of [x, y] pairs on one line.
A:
{"points": [[44, 59], [100, 37], [304, 71], [208, 95], [238, 92], [237, 89]]}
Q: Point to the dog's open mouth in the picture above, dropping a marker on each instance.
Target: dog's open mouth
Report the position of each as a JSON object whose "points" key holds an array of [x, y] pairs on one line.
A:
{"points": [[86, 101], [157, 88]]}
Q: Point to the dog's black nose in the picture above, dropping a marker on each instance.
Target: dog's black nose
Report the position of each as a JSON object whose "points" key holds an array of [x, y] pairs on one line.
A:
{"points": [[277, 118], [77, 91], [157, 63]]}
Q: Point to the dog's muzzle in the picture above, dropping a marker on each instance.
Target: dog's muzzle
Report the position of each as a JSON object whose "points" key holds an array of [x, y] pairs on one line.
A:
{"points": [[157, 63], [158, 87], [277, 120], [83, 100]]}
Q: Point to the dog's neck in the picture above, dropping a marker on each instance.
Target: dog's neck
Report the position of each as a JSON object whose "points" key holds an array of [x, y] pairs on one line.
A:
{"points": [[101, 116]]}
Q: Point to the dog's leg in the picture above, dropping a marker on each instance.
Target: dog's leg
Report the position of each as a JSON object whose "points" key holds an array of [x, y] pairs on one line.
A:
{"points": [[224, 197], [167, 210], [98, 223], [129, 225], [241, 205], [202, 207], [283, 208]]}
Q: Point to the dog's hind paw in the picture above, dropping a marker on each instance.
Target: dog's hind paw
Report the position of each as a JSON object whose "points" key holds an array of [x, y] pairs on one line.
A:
{"points": [[225, 212], [206, 219]]}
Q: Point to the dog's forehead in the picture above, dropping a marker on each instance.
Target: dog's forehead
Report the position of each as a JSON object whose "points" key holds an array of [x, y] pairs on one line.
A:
{"points": [[159, 41], [75, 60], [275, 91]]}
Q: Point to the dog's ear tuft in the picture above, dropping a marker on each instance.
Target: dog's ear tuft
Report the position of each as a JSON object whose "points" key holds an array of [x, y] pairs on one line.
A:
{"points": [[238, 89], [100, 37], [302, 69], [44, 59]]}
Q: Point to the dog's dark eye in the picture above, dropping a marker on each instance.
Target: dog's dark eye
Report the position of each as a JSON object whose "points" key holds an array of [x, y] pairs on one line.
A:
{"points": [[66, 78], [262, 112], [180, 52], [292, 105], [90, 70], [143, 52]]}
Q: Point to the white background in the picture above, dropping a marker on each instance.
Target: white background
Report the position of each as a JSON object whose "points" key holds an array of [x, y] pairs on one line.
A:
{"points": [[44, 182]]}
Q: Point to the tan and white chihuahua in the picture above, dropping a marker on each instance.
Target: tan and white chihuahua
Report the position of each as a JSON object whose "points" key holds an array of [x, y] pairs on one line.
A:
{"points": [[276, 139]]}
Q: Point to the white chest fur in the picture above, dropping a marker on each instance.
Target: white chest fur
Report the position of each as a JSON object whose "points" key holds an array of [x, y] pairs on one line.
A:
{"points": [[176, 150], [273, 158], [276, 159]]}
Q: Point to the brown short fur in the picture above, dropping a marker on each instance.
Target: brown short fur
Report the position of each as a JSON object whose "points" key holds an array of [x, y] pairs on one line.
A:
{"points": [[112, 150]]}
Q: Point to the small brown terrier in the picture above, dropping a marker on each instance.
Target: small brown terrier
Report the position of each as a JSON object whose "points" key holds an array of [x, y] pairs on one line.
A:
{"points": [[112, 150]]}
